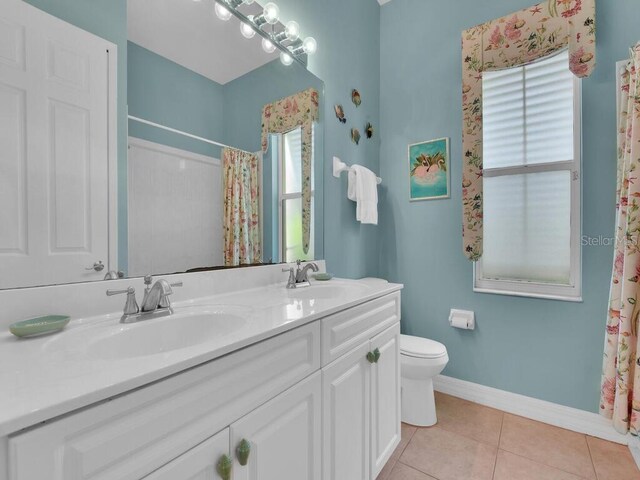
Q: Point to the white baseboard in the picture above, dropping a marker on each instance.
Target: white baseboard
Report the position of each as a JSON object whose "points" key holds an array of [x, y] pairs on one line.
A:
{"points": [[565, 417]]}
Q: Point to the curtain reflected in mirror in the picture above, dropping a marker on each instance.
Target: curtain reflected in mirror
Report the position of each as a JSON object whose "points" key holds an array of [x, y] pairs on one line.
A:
{"points": [[241, 210]]}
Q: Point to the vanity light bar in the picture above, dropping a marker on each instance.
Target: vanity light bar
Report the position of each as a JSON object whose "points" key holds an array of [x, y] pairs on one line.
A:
{"points": [[287, 41]]}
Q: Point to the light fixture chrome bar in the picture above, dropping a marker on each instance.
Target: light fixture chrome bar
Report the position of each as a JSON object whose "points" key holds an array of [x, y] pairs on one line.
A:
{"points": [[301, 59]]}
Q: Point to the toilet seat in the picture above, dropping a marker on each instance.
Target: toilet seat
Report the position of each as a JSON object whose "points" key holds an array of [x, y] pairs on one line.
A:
{"points": [[419, 347]]}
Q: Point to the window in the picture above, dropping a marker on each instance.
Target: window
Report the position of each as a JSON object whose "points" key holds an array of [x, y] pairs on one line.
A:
{"points": [[290, 199], [531, 181]]}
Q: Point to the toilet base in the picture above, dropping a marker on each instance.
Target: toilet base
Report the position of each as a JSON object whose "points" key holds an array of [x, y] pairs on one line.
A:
{"points": [[418, 403]]}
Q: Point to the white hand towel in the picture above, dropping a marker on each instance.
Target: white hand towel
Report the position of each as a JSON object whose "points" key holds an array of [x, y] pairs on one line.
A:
{"points": [[363, 189]]}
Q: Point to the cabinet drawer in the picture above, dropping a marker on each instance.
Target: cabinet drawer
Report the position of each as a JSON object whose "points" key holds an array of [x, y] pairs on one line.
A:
{"points": [[346, 330], [136, 433]]}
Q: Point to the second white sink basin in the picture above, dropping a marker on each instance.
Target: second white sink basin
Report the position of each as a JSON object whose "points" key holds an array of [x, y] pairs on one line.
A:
{"points": [[326, 291]]}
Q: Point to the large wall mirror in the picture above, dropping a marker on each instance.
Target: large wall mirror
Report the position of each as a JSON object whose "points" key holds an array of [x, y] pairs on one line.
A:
{"points": [[197, 187]]}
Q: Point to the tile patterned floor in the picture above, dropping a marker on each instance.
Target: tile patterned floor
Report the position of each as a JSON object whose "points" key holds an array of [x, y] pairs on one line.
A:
{"points": [[473, 442]]}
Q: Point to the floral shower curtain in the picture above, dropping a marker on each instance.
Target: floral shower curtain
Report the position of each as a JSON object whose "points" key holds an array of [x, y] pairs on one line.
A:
{"points": [[299, 110], [506, 42], [620, 397], [241, 214]]}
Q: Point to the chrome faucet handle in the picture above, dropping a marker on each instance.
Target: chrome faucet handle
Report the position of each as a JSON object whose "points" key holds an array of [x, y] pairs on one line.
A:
{"points": [[291, 283], [131, 305]]}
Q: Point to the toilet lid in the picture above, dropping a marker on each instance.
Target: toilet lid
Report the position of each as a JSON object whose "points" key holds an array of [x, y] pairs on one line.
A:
{"points": [[421, 347]]}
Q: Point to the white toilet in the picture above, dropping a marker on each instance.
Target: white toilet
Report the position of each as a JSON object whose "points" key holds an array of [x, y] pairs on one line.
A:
{"points": [[421, 359]]}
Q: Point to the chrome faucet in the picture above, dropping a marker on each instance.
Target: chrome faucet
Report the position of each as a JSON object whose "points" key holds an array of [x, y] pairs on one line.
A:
{"points": [[302, 273], [299, 277], [155, 303]]}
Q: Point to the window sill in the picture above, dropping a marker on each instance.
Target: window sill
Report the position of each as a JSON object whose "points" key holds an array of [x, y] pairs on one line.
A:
{"points": [[543, 296]]}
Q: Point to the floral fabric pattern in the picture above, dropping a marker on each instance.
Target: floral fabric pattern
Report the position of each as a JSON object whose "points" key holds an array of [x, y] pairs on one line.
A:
{"points": [[620, 395], [241, 208], [512, 41], [299, 110]]}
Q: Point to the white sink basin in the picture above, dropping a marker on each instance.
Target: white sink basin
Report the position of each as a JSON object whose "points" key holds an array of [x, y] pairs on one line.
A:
{"points": [[187, 328], [326, 291]]}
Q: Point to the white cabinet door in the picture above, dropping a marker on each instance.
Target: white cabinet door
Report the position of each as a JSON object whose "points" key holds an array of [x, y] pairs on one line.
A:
{"points": [[385, 398], [199, 463], [283, 436], [346, 393], [54, 160]]}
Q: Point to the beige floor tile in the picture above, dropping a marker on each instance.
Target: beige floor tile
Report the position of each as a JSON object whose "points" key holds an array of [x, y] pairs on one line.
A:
{"points": [[511, 467], [387, 469], [612, 461], [547, 444], [404, 472], [407, 434], [449, 456], [469, 419]]}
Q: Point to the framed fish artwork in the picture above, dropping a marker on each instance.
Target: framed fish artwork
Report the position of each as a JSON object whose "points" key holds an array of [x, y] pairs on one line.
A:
{"points": [[429, 170]]}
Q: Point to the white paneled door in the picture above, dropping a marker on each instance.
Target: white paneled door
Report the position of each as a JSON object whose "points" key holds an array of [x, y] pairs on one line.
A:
{"points": [[54, 155]]}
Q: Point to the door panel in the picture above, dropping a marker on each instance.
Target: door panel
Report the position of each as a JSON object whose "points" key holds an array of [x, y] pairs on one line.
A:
{"points": [[284, 436], [385, 398], [199, 463], [346, 416], [54, 162]]}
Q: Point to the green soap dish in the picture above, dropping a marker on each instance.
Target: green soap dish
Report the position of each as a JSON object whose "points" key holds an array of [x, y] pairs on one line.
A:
{"points": [[323, 277], [39, 325]]}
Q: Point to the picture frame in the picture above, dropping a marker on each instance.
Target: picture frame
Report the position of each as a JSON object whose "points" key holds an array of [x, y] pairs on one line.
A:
{"points": [[429, 170]]}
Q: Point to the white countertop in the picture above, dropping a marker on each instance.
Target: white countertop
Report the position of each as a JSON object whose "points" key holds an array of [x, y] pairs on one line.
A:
{"points": [[41, 381]]}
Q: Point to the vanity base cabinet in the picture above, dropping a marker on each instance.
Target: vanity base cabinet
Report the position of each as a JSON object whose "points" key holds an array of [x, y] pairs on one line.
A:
{"points": [[319, 402], [199, 463], [283, 436], [136, 433]]}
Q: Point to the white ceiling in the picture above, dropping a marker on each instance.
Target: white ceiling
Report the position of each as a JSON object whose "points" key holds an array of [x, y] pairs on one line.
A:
{"points": [[189, 33]]}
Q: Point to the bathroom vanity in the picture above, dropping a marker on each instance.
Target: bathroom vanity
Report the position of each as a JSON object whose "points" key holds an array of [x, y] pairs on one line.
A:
{"points": [[265, 383]]}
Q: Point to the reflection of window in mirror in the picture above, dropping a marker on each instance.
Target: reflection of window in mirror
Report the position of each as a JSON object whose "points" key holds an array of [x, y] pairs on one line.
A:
{"points": [[289, 152], [531, 180]]}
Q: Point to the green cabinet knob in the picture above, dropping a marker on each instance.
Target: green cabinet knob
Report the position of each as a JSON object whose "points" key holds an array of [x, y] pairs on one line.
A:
{"points": [[242, 452], [376, 354], [371, 357], [224, 467]]}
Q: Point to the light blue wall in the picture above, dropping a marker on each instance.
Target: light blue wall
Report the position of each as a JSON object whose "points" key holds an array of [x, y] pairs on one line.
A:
{"points": [[348, 57], [545, 349], [107, 19], [164, 92], [244, 98]]}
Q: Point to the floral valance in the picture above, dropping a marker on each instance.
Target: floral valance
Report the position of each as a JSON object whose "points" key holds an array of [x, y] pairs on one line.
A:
{"points": [[282, 116], [506, 42]]}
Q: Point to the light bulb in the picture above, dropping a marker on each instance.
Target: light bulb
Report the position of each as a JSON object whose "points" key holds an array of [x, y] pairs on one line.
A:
{"points": [[292, 30], [271, 13], [268, 46], [286, 59], [222, 12], [246, 29], [309, 45]]}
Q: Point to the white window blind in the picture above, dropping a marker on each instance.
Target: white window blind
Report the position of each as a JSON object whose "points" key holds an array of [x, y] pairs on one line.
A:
{"points": [[531, 179]]}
